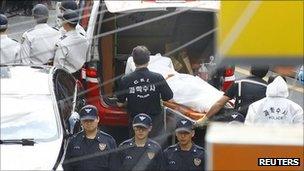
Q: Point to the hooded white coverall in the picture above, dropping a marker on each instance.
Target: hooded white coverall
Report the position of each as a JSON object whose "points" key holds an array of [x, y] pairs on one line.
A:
{"points": [[275, 108]]}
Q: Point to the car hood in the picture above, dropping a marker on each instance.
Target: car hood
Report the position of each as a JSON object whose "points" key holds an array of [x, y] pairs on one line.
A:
{"points": [[41, 156]]}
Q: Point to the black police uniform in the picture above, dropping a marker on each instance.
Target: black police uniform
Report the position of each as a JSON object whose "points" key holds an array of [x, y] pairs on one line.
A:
{"points": [[90, 154], [247, 91], [131, 157], [177, 159], [143, 90]]}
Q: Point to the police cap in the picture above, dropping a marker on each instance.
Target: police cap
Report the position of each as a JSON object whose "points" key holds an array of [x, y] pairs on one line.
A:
{"points": [[3, 21], [184, 125], [143, 120], [70, 4], [40, 10], [70, 16], [88, 112]]}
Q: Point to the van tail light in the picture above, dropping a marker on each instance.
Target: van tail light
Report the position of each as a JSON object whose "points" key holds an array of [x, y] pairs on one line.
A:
{"points": [[229, 72], [229, 78], [91, 72]]}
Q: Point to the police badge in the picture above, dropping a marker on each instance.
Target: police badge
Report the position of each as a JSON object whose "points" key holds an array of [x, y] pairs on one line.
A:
{"points": [[102, 146], [151, 155], [197, 161]]}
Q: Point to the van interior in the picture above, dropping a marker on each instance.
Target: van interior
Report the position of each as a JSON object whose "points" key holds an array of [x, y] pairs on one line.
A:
{"points": [[163, 36]]}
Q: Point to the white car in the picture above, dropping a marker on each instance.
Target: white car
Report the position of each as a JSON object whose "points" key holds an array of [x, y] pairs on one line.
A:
{"points": [[36, 105]]}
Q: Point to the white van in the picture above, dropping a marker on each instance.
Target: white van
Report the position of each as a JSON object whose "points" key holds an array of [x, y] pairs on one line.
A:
{"points": [[183, 30]]}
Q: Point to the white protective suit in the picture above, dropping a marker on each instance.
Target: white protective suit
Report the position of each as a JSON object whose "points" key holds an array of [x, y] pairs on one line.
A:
{"points": [[187, 89], [275, 108]]}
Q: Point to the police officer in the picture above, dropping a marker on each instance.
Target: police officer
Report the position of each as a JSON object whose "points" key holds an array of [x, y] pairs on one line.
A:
{"points": [[143, 89], [140, 152], [71, 49], [275, 108], [38, 43], [71, 5], [9, 49], [90, 149], [185, 155], [245, 91]]}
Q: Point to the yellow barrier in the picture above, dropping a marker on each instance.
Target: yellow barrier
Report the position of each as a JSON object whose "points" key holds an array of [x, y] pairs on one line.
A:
{"points": [[261, 32]]}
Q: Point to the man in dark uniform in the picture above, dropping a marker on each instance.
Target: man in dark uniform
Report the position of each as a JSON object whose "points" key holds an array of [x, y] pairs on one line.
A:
{"points": [[143, 90], [90, 149], [140, 152], [245, 92], [185, 155]]}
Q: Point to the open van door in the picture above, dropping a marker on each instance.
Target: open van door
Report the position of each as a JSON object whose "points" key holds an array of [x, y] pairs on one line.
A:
{"points": [[185, 31], [181, 30]]}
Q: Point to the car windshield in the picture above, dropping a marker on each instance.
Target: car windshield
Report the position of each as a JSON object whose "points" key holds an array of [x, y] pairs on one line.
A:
{"points": [[28, 116]]}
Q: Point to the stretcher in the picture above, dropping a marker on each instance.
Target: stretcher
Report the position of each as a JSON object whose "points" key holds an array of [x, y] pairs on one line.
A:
{"points": [[184, 111], [174, 111]]}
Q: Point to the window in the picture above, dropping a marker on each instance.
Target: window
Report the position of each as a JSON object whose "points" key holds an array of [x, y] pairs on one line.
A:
{"points": [[28, 116]]}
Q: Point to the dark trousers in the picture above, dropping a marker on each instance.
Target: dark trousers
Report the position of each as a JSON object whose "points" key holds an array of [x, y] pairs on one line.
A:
{"points": [[77, 74]]}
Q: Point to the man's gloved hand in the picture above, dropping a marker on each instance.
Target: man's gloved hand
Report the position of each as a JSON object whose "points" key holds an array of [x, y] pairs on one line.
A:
{"points": [[201, 122]]}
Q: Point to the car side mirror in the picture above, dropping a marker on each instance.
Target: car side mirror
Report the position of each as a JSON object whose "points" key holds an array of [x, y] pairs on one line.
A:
{"points": [[74, 123]]}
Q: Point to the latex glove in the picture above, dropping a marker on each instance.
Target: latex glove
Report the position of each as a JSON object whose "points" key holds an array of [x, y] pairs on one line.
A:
{"points": [[201, 122]]}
